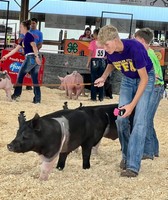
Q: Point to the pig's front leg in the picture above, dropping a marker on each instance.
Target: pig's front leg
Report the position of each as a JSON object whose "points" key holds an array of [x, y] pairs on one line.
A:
{"points": [[78, 92], [62, 160], [86, 152], [66, 92], [46, 168], [8, 94], [70, 93]]}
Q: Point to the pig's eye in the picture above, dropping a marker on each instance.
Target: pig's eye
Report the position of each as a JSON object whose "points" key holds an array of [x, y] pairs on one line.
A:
{"points": [[25, 135]]}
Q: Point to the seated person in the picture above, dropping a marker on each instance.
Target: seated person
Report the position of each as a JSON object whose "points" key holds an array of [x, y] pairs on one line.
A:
{"points": [[87, 35]]}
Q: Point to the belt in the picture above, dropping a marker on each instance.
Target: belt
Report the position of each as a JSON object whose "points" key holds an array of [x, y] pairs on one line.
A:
{"points": [[28, 54]]}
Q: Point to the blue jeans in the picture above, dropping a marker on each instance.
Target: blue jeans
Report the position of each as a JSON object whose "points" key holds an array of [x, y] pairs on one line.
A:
{"points": [[132, 142], [151, 148], [29, 66], [97, 68]]}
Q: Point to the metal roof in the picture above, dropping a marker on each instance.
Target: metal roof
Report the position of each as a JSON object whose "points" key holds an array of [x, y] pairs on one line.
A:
{"points": [[93, 9]]}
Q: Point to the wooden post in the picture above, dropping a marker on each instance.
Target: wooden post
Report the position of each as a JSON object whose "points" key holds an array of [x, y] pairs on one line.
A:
{"points": [[24, 10]]}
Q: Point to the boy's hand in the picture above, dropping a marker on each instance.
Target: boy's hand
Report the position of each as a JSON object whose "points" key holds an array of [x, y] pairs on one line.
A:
{"points": [[99, 82]]}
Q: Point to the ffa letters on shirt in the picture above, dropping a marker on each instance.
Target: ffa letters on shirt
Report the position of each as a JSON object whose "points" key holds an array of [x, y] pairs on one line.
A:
{"points": [[125, 65]]}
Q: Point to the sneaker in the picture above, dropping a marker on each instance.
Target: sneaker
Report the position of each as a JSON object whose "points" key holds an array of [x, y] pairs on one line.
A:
{"points": [[15, 98], [36, 102], [29, 88], [129, 173], [145, 157], [123, 164]]}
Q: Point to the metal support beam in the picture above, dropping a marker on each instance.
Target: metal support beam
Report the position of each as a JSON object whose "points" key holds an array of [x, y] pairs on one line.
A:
{"points": [[35, 5], [17, 3], [24, 10], [7, 17], [118, 13]]}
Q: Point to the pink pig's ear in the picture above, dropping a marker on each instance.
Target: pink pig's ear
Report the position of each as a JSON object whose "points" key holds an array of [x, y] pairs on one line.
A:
{"points": [[60, 78]]}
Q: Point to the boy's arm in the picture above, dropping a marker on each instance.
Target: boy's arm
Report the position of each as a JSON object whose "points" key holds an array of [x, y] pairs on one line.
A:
{"points": [[107, 71], [100, 81]]}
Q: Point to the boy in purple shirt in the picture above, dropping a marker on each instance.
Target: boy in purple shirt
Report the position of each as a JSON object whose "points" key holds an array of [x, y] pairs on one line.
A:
{"points": [[131, 58]]}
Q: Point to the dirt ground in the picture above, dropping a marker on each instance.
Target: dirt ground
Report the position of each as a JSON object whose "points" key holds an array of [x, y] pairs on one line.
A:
{"points": [[19, 172]]}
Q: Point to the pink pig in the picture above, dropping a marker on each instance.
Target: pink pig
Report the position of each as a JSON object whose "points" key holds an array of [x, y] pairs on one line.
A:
{"points": [[6, 84], [72, 84]]}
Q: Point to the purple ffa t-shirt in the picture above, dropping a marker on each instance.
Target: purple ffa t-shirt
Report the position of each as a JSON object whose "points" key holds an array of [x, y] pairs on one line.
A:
{"points": [[25, 43], [133, 57]]}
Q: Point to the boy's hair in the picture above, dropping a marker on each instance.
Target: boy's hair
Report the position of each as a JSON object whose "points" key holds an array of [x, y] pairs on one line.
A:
{"points": [[146, 34], [34, 19], [107, 33]]}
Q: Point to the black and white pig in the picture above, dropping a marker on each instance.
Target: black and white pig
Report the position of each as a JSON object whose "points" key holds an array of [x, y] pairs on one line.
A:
{"points": [[108, 109], [95, 113], [50, 136]]}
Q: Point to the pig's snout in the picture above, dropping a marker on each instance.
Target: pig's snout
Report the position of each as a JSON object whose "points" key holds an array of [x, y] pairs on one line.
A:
{"points": [[10, 147]]}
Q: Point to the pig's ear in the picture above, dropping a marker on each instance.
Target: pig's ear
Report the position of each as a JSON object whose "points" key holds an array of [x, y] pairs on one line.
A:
{"points": [[21, 118], [60, 78], [35, 122], [65, 106]]}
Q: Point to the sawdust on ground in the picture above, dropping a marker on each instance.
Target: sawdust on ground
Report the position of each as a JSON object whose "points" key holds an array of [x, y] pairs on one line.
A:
{"points": [[19, 172]]}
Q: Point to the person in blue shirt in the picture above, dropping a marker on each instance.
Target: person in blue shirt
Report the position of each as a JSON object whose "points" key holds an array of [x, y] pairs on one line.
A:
{"points": [[38, 37], [30, 65]]}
